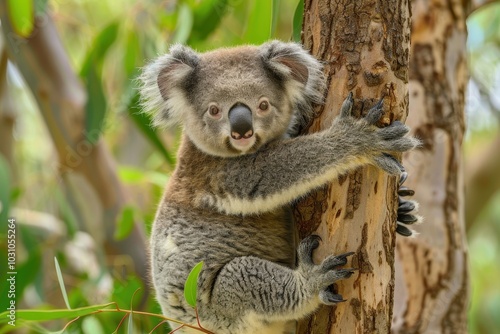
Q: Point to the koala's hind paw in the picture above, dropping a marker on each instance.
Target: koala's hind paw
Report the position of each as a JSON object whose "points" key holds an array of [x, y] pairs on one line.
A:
{"points": [[321, 277], [406, 209]]}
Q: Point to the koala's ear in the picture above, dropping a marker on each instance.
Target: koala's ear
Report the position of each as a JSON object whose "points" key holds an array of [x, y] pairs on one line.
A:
{"points": [[302, 74], [162, 80]]}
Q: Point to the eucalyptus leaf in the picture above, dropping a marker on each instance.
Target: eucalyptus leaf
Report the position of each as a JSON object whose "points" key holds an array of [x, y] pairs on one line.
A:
{"points": [[46, 315], [258, 29], [22, 16], [191, 285], [95, 108], [184, 25], [61, 283], [125, 223], [297, 21], [99, 48], [207, 15]]}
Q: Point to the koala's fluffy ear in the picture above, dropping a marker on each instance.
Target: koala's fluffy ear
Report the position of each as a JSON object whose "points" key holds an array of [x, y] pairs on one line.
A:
{"points": [[162, 80], [302, 74]]}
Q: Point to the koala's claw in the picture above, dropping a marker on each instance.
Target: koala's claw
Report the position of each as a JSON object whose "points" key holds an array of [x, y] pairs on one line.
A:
{"points": [[404, 191], [403, 177], [375, 112], [330, 297], [333, 262], [403, 230], [405, 209], [346, 108], [405, 206]]}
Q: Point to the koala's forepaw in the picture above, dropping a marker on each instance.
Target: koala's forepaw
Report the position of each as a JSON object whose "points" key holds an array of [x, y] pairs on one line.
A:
{"points": [[406, 209], [322, 276], [376, 143]]}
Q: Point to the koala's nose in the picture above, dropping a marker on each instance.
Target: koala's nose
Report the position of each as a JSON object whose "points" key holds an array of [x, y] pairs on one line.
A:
{"points": [[240, 120]]}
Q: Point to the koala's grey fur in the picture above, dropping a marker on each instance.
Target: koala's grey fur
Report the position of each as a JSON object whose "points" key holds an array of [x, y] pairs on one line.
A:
{"points": [[226, 202]]}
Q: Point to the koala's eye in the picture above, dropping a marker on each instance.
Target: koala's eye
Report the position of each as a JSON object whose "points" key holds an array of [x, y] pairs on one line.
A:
{"points": [[264, 105], [213, 110]]}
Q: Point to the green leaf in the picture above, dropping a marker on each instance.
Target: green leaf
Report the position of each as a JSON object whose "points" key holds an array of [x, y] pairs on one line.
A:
{"points": [[207, 16], [29, 270], [143, 121], [22, 16], [46, 315], [99, 48], [125, 223], [131, 175], [274, 19], [258, 29], [132, 54], [61, 283], [90, 325], [297, 21], [95, 108], [191, 285], [184, 25]]}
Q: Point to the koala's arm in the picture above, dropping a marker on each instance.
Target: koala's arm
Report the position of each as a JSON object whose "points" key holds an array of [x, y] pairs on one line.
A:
{"points": [[285, 170]]}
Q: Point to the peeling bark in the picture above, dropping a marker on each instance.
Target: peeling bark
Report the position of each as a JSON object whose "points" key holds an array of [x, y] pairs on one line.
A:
{"points": [[365, 46], [432, 282]]}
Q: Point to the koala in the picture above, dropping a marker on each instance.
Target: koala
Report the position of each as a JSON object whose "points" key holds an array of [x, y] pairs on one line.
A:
{"points": [[240, 165]]}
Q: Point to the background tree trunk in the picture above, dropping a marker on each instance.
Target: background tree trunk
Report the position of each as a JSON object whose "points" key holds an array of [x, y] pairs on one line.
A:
{"points": [[432, 280], [365, 46]]}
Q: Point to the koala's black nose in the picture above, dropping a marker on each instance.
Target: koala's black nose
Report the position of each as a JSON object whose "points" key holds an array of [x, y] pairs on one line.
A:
{"points": [[240, 120]]}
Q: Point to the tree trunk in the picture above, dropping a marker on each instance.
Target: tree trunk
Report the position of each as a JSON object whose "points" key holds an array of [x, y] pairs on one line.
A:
{"points": [[432, 280], [365, 46]]}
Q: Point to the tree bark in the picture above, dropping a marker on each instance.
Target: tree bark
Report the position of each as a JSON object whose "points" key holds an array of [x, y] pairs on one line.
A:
{"points": [[365, 46], [432, 280]]}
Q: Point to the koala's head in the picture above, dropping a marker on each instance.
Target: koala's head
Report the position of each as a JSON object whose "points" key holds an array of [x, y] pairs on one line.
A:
{"points": [[233, 101]]}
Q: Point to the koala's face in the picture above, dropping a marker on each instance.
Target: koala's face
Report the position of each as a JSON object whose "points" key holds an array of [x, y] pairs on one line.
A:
{"points": [[233, 101]]}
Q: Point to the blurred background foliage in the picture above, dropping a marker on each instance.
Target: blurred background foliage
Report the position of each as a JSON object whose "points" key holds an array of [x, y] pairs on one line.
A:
{"points": [[107, 42]]}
